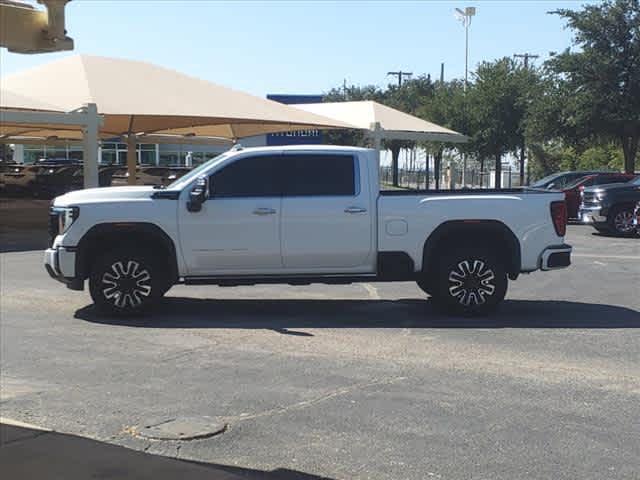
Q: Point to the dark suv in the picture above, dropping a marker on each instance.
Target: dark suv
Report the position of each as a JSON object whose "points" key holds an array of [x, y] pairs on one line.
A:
{"points": [[609, 208]]}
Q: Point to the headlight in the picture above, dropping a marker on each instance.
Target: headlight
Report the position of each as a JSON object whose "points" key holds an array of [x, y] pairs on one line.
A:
{"points": [[600, 195], [66, 217]]}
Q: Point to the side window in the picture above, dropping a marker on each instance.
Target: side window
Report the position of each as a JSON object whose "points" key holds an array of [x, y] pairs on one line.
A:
{"points": [[613, 179], [257, 176], [589, 183], [319, 175]]}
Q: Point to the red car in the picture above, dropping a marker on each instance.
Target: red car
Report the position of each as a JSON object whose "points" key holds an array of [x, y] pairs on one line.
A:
{"points": [[573, 190]]}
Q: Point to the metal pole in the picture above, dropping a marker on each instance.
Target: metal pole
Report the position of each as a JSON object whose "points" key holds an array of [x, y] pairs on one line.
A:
{"points": [[466, 81], [132, 159], [90, 146]]}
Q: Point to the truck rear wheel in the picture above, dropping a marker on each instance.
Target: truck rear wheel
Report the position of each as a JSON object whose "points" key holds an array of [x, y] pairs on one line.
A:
{"points": [[125, 283], [470, 281]]}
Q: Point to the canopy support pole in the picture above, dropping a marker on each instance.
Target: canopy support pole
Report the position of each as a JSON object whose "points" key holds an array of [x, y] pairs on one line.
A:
{"points": [[90, 146], [132, 154], [376, 133], [132, 159]]}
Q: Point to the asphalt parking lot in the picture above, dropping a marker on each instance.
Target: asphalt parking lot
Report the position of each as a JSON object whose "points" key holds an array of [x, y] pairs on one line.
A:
{"points": [[365, 381]]}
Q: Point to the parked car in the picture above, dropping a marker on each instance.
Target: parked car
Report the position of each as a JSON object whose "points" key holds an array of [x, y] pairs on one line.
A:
{"points": [[19, 179], [157, 176], [299, 215], [609, 208], [559, 181], [573, 190], [55, 180]]}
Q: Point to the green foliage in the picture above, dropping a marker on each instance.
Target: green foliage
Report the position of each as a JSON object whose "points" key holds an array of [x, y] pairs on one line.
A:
{"points": [[556, 156], [600, 81]]}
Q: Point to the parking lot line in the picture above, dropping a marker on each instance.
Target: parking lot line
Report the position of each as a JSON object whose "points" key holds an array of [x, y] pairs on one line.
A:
{"points": [[593, 255]]}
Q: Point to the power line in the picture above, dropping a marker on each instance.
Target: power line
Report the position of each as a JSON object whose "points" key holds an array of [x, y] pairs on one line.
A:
{"points": [[526, 57], [400, 74]]}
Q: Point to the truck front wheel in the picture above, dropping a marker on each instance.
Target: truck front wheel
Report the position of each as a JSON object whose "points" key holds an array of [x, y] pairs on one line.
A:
{"points": [[125, 283], [470, 281]]}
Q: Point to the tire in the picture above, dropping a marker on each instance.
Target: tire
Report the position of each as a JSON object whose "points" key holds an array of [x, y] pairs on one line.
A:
{"points": [[125, 282], [620, 221], [470, 281]]}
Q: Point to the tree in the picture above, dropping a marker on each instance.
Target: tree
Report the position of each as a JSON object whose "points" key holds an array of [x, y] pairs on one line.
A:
{"points": [[603, 76], [445, 107], [496, 111]]}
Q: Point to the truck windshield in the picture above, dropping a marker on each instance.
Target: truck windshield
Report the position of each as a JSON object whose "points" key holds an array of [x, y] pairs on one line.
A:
{"points": [[183, 181], [543, 181]]}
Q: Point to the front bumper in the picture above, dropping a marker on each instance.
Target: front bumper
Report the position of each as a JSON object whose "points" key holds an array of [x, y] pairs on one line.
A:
{"points": [[60, 264], [592, 215], [555, 258]]}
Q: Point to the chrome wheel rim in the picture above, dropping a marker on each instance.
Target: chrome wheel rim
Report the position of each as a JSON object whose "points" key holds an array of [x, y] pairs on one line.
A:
{"points": [[623, 221], [126, 284], [471, 282]]}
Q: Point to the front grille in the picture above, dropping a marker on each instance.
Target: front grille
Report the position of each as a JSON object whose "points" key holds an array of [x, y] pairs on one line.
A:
{"points": [[53, 226], [589, 199]]}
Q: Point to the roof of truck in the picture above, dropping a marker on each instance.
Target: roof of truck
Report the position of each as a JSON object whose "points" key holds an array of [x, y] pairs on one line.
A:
{"points": [[295, 148]]}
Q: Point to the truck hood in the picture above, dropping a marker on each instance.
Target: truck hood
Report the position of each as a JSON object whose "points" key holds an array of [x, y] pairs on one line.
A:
{"points": [[105, 194], [613, 186]]}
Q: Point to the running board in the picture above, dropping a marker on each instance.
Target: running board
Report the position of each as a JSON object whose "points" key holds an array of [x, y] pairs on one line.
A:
{"points": [[234, 281]]}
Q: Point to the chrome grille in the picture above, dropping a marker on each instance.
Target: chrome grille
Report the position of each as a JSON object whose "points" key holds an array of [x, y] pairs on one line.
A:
{"points": [[589, 199]]}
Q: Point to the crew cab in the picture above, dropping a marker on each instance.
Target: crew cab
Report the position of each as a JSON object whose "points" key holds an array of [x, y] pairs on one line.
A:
{"points": [[301, 215]]}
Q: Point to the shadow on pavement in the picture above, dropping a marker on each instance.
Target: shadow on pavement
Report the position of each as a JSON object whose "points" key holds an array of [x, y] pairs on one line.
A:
{"points": [[282, 315], [27, 453]]}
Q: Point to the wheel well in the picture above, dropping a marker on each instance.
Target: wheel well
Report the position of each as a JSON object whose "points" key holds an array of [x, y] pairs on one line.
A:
{"points": [[488, 233], [106, 237], [622, 205]]}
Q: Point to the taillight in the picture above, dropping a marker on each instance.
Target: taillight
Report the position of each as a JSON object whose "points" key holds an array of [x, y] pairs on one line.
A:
{"points": [[559, 217]]}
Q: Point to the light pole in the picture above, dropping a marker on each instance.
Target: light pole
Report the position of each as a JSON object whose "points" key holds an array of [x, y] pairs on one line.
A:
{"points": [[465, 17]]}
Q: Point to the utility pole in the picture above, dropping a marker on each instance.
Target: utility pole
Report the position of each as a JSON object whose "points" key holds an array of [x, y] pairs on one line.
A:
{"points": [[344, 88], [400, 74], [465, 17], [526, 57]]}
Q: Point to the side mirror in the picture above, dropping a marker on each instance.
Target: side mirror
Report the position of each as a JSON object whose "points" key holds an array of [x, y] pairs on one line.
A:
{"points": [[551, 186], [198, 195]]}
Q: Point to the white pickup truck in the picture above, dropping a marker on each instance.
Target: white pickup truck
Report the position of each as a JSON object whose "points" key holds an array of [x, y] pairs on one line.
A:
{"points": [[301, 215]]}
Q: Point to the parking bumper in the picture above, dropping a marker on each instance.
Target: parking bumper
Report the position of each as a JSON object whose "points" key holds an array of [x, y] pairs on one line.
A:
{"points": [[555, 258]]}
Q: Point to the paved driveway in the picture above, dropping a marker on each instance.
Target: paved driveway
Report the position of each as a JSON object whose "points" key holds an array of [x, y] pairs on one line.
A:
{"points": [[363, 381]]}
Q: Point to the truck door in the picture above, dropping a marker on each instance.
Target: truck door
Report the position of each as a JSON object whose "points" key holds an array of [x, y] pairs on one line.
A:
{"points": [[326, 214], [238, 229]]}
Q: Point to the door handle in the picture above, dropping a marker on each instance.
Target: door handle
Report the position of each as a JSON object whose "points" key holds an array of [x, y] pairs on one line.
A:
{"points": [[355, 210], [264, 211]]}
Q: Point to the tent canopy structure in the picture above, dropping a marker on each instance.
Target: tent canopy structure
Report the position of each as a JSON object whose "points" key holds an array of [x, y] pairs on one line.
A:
{"points": [[137, 98], [385, 122]]}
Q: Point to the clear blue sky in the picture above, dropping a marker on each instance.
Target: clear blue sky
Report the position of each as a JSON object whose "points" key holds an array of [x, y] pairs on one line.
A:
{"points": [[305, 46]]}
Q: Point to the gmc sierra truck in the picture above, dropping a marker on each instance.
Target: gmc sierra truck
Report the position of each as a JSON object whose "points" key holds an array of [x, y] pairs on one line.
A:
{"points": [[301, 215]]}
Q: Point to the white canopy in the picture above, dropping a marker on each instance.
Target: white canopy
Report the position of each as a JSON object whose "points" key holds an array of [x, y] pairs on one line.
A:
{"points": [[393, 124]]}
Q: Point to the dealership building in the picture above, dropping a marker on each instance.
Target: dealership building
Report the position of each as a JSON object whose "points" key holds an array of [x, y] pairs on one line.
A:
{"points": [[114, 152]]}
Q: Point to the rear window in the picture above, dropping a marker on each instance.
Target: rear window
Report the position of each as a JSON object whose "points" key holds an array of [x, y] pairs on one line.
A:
{"points": [[319, 175]]}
